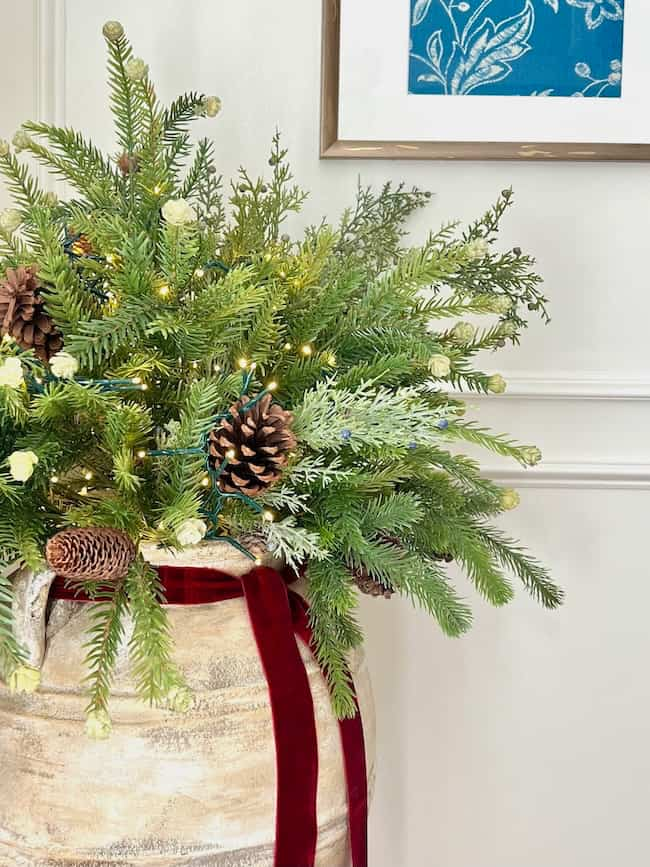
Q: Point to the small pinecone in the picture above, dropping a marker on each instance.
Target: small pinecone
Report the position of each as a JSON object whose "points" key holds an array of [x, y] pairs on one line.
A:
{"points": [[81, 246], [90, 553], [128, 163], [369, 586], [261, 438], [22, 315]]}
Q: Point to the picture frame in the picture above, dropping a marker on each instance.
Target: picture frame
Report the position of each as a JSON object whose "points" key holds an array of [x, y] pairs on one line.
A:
{"points": [[336, 144]]}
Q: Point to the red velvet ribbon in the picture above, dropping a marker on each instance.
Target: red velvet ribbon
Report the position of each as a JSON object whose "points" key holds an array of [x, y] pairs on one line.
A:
{"points": [[277, 616]]}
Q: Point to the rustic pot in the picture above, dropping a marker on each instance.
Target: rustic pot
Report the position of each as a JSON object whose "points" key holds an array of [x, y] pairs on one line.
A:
{"points": [[167, 789]]}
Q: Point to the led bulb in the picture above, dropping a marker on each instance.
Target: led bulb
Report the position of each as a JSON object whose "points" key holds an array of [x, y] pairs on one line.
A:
{"points": [[137, 380], [306, 349], [195, 364], [144, 387], [142, 454], [258, 561], [287, 346], [157, 190], [231, 454], [54, 479], [83, 491], [205, 482], [268, 515], [272, 386], [199, 273], [163, 291], [88, 475], [243, 363]]}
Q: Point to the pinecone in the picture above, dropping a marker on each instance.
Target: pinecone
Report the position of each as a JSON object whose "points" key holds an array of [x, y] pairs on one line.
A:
{"points": [[90, 553], [128, 163], [22, 315], [255, 443], [369, 586]]}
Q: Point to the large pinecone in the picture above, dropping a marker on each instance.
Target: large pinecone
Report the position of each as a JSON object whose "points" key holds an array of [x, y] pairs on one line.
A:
{"points": [[22, 315], [90, 553], [369, 585], [256, 444]]}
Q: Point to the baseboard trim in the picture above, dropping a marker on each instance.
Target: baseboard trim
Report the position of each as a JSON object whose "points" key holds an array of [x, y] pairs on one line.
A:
{"points": [[559, 475]]}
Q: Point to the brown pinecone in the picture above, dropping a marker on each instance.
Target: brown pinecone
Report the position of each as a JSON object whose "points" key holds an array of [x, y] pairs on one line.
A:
{"points": [[259, 439], [90, 553], [81, 246], [369, 586], [22, 315], [128, 163]]}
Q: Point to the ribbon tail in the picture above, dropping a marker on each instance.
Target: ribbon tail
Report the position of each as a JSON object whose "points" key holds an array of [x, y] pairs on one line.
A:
{"points": [[354, 752], [293, 717]]}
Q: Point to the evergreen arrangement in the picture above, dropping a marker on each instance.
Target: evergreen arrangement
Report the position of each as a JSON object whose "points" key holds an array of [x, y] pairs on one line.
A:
{"points": [[176, 368]]}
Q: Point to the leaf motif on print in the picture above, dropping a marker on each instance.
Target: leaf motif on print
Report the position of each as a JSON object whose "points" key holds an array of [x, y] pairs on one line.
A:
{"points": [[486, 51], [435, 50], [554, 4], [420, 11]]}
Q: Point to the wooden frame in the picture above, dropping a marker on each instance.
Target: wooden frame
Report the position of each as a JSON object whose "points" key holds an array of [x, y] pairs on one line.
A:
{"points": [[332, 147]]}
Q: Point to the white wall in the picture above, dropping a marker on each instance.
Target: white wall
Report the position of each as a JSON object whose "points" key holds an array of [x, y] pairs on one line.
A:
{"points": [[524, 744]]}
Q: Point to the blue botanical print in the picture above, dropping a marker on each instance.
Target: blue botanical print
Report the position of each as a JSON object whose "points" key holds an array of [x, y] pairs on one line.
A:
{"points": [[517, 47]]}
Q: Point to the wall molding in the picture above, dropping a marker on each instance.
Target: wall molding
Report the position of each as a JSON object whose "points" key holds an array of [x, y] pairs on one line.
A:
{"points": [[50, 79], [576, 475], [575, 385]]}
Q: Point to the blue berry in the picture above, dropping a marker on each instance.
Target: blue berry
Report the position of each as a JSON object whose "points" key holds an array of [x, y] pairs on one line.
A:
{"points": [[443, 424], [413, 445], [346, 435]]}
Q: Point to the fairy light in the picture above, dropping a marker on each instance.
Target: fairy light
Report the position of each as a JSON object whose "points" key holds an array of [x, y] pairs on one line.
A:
{"points": [[54, 479], [287, 346], [268, 515], [217, 368], [243, 363], [195, 364], [142, 454], [283, 275], [199, 273], [38, 380], [83, 491], [258, 561], [205, 481], [157, 190], [163, 291], [272, 386], [144, 387], [111, 258], [306, 349], [268, 257], [231, 454], [88, 475], [137, 380]]}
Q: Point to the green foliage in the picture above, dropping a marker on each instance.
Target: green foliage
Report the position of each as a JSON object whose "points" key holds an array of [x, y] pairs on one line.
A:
{"points": [[175, 304]]}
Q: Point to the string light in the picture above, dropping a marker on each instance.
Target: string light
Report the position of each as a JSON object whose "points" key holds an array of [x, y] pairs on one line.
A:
{"points": [[268, 257], [231, 454], [144, 387], [199, 273], [272, 386], [111, 258], [54, 479], [157, 190], [83, 491], [268, 515], [88, 475], [287, 346], [195, 364], [163, 291], [217, 368], [142, 454], [283, 275], [258, 561], [243, 363], [306, 349], [205, 481], [137, 380]]}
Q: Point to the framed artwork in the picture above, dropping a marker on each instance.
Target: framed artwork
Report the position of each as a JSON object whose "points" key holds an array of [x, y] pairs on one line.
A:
{"points": [[486, 79]]}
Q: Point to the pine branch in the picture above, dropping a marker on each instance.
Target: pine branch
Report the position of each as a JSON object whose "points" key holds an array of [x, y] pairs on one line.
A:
{"points": [[105, 636]]}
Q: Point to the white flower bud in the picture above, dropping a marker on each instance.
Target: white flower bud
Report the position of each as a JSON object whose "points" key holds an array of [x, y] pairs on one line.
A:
{"points": [[10, 219], [509, 499], [439, 366], [136, 69], [463, 332], [212, 106], [11, 373], [5, 148], [191, 532], [477, 248], [24, 679], [501, 304], [178, 212], [98, 726], [113, 31], [496, 384], [21, 140], [21, 465], [63, 365]]}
